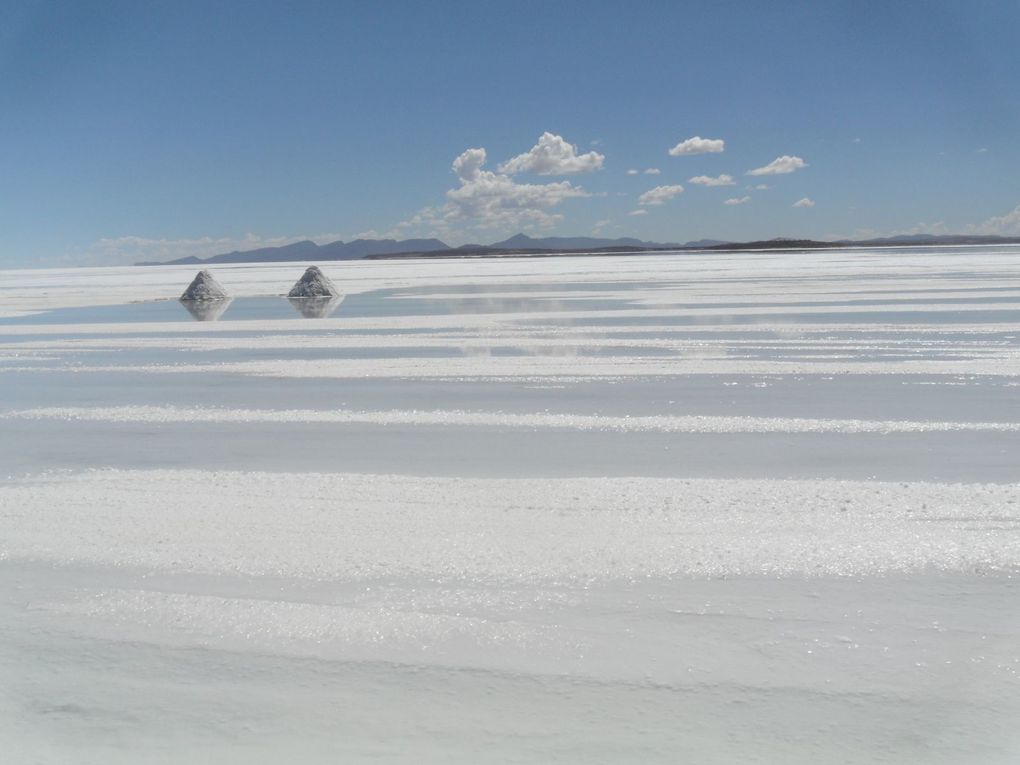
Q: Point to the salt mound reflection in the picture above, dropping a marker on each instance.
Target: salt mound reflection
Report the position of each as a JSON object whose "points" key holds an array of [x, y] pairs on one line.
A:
{"points": [[206, 310], [315, 307]]}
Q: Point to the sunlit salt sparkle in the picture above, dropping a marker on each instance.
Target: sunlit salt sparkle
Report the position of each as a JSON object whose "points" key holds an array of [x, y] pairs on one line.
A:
{"points": [[356, 527]]}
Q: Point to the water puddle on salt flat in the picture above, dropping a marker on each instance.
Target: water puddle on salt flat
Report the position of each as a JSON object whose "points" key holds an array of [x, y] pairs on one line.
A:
{"points": [[864, 318], [253, 308], [376, 303]]}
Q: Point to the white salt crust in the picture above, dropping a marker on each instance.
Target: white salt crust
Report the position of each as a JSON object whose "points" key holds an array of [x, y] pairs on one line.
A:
{"points": [[357, 527], [534, 421]]}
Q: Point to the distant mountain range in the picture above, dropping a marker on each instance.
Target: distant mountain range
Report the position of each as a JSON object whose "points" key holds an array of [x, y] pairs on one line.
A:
{"points": [[522, 244], [308, 250]]}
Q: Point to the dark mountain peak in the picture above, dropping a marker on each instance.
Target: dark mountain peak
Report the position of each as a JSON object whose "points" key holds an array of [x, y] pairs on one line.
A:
{"points": [[525, 242], [705, 243], [303, 250], [516, 241], [361, 248]]}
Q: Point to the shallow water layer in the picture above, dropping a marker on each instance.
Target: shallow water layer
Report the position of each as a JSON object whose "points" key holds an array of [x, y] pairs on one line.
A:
{"points": [[376, 303]]}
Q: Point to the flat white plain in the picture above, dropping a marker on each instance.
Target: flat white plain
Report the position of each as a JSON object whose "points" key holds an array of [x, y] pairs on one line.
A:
{"points": [[742, 507]]}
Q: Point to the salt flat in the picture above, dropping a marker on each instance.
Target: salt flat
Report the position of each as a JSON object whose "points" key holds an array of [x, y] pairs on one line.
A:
{"points": [[732, 507]]}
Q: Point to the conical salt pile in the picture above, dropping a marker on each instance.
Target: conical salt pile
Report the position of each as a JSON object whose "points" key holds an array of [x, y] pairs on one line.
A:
{"points": [[204, 287], [313, 284]]}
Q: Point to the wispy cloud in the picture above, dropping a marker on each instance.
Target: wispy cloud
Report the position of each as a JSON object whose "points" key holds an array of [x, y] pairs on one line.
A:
{"points": [[633, 171], [804, 202], [707, 180], [698, 145], [938, 227], [737, 201], [638, 212], [659, 195], [1007, 224], [1002, 225], [552, 155], [653, 171], [780, 166]]}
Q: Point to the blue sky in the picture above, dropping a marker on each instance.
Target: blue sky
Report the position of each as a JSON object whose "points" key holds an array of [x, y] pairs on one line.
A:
{"points": [[160, 129]]}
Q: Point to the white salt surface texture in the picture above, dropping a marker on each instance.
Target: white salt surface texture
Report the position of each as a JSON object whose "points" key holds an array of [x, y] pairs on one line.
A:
{"points": [[204, 287], [313, 284], [548, 519], [354, 527]]}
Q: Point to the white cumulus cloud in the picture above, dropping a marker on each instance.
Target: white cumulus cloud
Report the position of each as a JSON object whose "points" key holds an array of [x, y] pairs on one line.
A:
{"points": [[698, 145], [552, 155], [804, 202], [653, 171], [488, 201], [780, 166], [632, 171], [737, 201], [707, 180], [469, 164], [495, 200], [659, 195]]}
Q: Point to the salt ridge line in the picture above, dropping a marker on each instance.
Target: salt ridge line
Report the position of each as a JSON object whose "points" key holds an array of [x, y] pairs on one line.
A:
{"points": [[484, 367], [500, 323], [277, 624], [456, 417], [675, 339], [358, 527]]}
